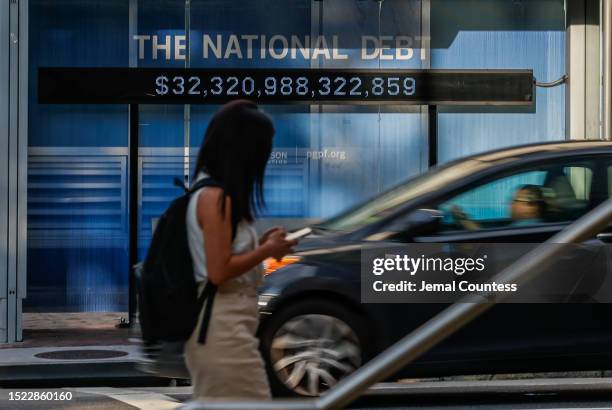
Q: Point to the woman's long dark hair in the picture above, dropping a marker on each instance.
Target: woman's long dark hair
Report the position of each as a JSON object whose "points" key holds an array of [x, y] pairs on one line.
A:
{"points": [[235, 151]]}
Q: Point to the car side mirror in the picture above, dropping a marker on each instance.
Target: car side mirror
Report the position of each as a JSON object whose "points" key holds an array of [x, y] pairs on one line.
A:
{"points": [[422, 221]]}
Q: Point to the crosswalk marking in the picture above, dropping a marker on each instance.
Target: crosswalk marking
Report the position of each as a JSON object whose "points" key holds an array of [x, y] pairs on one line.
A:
{"points": [[137, 398]]}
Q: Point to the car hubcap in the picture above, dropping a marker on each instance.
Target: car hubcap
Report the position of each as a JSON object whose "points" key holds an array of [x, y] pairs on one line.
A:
{"points": [[310, 353]]}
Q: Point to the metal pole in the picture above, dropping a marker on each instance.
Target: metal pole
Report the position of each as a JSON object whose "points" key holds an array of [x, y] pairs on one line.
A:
{"points": [[22, 167], [187, 107], [134, 143], [432, 146], [606, 115], [436, 329]]}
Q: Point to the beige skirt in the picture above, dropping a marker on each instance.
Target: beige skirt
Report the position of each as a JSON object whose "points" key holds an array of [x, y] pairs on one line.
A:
{"points": [[229, 364]]}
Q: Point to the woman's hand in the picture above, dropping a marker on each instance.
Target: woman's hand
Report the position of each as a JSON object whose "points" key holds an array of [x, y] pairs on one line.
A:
{"points": [[462, 219], [276, 246], [267, 234], [458, 213]]}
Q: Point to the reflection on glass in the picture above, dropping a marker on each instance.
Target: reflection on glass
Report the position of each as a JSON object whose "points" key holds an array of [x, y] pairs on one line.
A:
{"points": [[77, 211], [499, 34], [388, 202], [325, 159]]}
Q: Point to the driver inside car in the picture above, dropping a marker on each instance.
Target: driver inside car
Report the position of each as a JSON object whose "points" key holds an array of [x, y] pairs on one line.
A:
{"points": [[526, 208]]}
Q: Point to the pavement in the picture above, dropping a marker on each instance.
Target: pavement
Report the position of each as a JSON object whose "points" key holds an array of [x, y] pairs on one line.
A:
{"points": [[74, 329], [88, 346]]}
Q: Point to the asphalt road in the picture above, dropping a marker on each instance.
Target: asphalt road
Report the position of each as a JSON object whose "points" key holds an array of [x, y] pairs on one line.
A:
{"points": [[552, 394], [93, 398], [382, 397]]}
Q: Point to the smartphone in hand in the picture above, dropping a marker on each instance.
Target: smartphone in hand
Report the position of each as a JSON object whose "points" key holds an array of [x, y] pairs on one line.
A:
{"points": [[299, 234]]}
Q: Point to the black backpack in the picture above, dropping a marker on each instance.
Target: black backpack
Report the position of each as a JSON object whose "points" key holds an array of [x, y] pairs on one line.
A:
{"points": [[167, 291]]}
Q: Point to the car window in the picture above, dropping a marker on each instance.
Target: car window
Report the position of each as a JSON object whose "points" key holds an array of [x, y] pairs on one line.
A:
{"points": [[536, 196], [610, 180], [385, 204]]}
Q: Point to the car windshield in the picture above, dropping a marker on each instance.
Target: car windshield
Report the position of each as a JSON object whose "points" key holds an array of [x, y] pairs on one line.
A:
{"points": [[387, 202]]}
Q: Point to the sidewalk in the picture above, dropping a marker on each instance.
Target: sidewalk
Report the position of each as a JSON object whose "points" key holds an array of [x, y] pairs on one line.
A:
{"points": [[73, 329], [82, 346]]}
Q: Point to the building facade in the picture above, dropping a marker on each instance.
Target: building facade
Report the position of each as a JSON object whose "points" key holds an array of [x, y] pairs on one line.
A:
{"points": [[65, 193]]}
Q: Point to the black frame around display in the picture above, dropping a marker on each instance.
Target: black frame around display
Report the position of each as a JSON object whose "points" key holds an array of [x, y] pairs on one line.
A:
{"points": [[57, 85]]}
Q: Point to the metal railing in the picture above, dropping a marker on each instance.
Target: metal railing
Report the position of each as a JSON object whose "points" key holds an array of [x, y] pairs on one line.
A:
{"points": [[435, 330]]}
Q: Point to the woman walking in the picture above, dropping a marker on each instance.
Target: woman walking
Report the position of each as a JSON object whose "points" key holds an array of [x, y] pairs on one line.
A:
{"points": [[228, 256]]}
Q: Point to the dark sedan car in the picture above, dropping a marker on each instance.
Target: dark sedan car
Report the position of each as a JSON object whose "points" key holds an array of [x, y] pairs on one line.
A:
{"points": [[315, 330]]}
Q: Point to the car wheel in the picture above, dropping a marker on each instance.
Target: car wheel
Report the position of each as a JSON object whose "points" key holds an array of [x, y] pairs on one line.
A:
{"points": [[311, 345]]}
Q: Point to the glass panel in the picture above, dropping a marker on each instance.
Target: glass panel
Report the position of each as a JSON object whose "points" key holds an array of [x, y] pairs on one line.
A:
{"points": [[77, 224], [553, 193], [382, 145], [320, 151], [326, 158], [500, 34], [286, 181], [161, 27], [491, 201], [162, 130], [161, 162], [385, 204]]}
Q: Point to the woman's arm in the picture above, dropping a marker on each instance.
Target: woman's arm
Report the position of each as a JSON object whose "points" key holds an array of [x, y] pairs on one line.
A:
{"points": [[221, 264]]}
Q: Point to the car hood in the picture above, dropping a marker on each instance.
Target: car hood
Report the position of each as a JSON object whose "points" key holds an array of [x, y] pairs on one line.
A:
{"points": [[325, 239], [313, 242], [326, 262]]}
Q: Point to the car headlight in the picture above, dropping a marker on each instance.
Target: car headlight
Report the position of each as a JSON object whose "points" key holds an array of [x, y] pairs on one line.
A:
{"points": [[264, 300], [272, 265]]}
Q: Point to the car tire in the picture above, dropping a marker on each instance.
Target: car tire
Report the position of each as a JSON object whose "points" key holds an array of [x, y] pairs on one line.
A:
{"points": [[311, 344]]}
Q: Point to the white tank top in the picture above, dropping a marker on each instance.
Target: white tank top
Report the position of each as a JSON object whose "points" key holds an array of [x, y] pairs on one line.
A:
{"points": [[245, 240]]}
